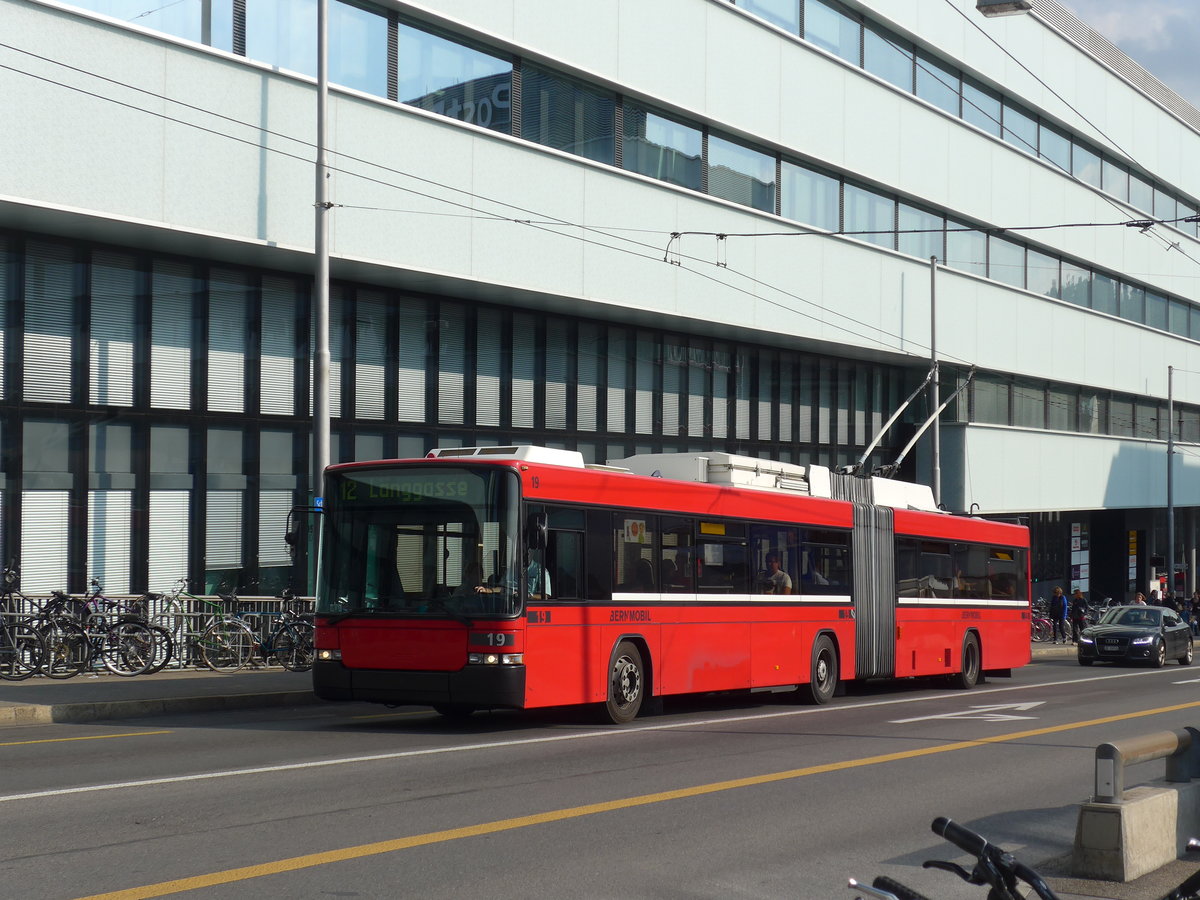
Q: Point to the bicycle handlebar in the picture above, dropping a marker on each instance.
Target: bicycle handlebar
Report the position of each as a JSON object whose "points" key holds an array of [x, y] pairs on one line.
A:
{"points": [[963, 838], [995, 867]]}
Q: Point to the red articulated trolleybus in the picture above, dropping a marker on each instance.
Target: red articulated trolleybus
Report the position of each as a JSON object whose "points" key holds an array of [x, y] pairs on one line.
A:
{"points": [[488, 577]]}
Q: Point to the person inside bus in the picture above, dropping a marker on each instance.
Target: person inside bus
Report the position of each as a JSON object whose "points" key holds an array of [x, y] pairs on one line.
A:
{"points": [[536, 577], [774, 580], [472, 581]]}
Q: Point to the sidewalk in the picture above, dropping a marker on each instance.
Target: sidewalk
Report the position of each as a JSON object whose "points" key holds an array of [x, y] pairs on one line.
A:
{"points": [[90, 698]]}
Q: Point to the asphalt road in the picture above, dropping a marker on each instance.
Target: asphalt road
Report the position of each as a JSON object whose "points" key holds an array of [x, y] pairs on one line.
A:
{"points": [[718, 797]]}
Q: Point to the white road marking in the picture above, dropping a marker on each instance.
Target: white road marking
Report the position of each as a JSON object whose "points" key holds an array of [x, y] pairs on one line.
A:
{"points": [[986, 713]]}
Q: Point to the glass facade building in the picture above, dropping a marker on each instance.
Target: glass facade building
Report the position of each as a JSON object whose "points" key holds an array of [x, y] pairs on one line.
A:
{"points": [[564, 237]]}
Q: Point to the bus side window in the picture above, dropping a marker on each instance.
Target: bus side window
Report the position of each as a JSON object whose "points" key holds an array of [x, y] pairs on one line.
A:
{"points": [[633, 545], [564, 559]]}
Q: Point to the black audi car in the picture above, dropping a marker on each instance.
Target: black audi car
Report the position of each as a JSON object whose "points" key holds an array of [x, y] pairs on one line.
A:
{"points": [[1143, 634]]}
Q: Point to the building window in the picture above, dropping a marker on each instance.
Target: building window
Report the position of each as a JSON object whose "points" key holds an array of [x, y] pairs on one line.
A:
{"points": [[981, 107], [966, 249], [938, 84], [1028, 404], [740, 174], [1054, 146], [1133, 303], [370, 355], [284, 33], [228, 301], [870, 217], [662, 148], [49, 322], [1043, 276], [1105, 292], [1020, 128], [920, 233], [887, 56], [783, 13], [1085, 165], [811, 197], [1076, 284], [831, 27], [1006, 262], [1115, 179], [568, 115], [989, 399], [454, 80], [277, 368]]}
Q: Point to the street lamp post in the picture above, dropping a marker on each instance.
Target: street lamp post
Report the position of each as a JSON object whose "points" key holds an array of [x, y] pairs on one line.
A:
{"points": [[1170, 481], [320, 304]]}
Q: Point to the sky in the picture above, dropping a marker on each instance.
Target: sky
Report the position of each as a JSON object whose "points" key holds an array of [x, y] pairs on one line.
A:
{"points": [[1162, 36]]}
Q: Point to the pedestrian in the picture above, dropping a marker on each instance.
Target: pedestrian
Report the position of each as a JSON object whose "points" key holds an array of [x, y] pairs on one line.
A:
{"points": [[1140, 599], [1168, 601], [1058, 615], [1078, 614]]}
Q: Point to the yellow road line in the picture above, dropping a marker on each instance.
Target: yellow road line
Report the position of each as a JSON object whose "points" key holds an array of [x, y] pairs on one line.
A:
{"points": [[94, 737], [229, 876]]}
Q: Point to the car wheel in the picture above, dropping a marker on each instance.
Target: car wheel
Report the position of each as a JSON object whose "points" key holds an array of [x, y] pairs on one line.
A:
{"points": [[1160, 655], [1085, 662], [1186, 659]]}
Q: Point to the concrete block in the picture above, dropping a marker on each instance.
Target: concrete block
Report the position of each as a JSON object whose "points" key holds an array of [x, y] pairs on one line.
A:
{"points": [[1147, 830]]}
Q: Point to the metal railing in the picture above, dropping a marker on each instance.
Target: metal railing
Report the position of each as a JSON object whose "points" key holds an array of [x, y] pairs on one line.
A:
{"points": [[1180, 748]]}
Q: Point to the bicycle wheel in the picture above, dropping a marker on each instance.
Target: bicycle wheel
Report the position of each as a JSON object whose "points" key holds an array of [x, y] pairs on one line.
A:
{"points": [[68, 650], [226, 646], [127, 648], [21, 651], [164, 649], [292, 646]]}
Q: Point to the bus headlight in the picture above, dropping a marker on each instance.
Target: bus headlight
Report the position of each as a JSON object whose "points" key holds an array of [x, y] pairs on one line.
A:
{"points": [[496, 659], [329, 655]]}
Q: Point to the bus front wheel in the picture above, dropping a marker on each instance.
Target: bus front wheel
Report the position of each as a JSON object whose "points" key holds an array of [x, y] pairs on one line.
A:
{"points": [[823, 671], [626, 684]]}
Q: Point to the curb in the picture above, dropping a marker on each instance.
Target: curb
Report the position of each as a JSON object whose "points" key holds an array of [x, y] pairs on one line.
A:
{"points": [[36, 714]]}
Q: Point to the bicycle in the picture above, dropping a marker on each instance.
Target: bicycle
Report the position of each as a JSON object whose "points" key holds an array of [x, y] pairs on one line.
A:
{"points": [[290, 640], [228, 643], [22, 650], [134, 613], [66, 645]]}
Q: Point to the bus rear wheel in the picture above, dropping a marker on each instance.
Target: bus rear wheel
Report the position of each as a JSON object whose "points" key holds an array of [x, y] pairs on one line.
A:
{"points": [[626, 684], [823, 672], [968, 674]]}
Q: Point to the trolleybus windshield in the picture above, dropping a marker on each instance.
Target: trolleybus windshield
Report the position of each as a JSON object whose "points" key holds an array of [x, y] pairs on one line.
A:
{"points": [[421, 541]]}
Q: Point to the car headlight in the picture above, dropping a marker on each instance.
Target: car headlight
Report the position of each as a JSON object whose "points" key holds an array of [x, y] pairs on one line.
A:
{"points": [[1144, 640], [1085, 639]]}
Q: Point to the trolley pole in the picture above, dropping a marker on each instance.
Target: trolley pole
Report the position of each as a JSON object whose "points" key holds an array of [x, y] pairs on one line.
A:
{"points": [[320, 305], [935, 387], [1170, 481]]}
